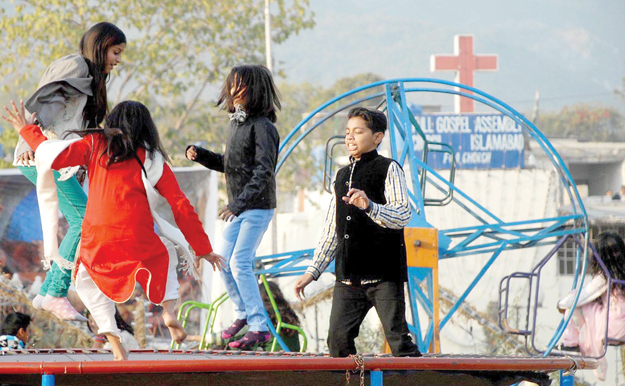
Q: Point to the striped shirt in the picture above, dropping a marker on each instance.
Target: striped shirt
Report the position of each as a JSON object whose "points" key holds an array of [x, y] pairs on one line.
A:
{"points": [[10, 342], [395, 214]]}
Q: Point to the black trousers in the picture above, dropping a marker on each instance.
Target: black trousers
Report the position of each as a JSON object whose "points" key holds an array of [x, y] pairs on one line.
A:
{"points": [[350, 305]]}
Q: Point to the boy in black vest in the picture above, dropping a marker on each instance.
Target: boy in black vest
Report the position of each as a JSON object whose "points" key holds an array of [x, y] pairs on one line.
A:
{"points": [[364, 232]]}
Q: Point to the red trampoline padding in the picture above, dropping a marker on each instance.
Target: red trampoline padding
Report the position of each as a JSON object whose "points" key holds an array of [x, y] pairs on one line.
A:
{"points": [[93, 362]]}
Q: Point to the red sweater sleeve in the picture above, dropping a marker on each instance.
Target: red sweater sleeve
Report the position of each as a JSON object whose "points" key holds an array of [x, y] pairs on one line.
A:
{"points": [[76, 154], [184, 214], [33, 136]]}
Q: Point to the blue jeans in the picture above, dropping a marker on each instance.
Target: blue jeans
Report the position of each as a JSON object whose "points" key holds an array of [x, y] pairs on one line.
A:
{"points": [[241, 238], [72, 203]]}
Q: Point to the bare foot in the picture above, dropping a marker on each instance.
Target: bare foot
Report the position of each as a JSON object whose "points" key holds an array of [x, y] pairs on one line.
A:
{"points": [[178, 333], [120, 356], [119, 352]]}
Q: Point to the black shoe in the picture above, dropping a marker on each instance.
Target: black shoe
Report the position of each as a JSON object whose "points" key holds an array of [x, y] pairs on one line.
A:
{"points": [[562, 347], [415, 354]]}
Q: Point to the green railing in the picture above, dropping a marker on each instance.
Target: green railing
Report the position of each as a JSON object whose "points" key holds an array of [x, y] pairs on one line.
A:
{"points": [[279, 323], [188, 306]]}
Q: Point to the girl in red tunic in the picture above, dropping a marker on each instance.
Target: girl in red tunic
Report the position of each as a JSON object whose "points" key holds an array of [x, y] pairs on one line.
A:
{"points": [[119, 246]]}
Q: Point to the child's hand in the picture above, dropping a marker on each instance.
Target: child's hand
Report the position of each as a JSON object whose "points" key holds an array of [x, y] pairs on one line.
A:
{"points": [[26, 157], [226, 214], [18, 118], [302, 282], [358, 198], [191, 153], [217, 261]]}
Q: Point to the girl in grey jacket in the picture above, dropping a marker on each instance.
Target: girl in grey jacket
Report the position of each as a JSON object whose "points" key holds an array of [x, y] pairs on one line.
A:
{"points": [[71, 96]]}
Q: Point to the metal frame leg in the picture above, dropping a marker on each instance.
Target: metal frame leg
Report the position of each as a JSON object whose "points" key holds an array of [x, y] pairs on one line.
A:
{"points": [[47, 380], [566, 378], [376, 377]]}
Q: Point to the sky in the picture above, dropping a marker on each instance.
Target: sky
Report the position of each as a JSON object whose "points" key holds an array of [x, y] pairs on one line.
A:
{"points": [[571, 51]]}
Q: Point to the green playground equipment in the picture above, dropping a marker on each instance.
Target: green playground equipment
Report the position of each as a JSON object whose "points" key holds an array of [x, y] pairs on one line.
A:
{"points": [[212, 308]]}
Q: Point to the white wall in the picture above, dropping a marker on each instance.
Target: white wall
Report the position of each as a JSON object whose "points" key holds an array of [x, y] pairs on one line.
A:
{"points": [[600, 177], [513, 195]]}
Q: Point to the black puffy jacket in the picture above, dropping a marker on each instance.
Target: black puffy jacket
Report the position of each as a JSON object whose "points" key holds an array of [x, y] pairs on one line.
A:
{"points": [[249, 164]]}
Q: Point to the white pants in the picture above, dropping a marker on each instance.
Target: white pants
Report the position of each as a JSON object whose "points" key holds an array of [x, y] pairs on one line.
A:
{"points": [[99, 305], [171, 289], [103, 309]]}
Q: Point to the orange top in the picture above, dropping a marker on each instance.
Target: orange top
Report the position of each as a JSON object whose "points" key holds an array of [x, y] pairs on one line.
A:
{"points": [[119, 245]]}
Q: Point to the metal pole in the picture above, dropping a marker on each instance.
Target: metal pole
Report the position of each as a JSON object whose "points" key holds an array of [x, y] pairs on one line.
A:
{"points": [[47, 380], [290, 363], [268, 35], [566, 378], [274, 222], [376, 378]]}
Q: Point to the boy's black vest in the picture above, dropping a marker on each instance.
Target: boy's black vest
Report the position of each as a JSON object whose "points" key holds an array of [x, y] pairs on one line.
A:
{"points": [[366, 251]]}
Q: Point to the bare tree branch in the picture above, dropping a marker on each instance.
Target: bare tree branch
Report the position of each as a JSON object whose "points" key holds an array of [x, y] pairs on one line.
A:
{"points": [[121, 87], [185, 114], [138, 91]]}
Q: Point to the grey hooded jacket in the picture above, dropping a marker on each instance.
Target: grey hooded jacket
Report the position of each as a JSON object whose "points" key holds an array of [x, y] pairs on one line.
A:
{"points": [[60, 99]]}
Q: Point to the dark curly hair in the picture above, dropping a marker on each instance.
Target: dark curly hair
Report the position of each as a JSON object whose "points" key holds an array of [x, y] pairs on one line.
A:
{"points": [[286, 312]]}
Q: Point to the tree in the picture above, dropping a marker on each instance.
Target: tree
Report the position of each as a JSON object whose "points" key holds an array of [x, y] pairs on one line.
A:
{"points": [[304, 166], [349, 83], [620, 92], [176, 49], [587, 123]]}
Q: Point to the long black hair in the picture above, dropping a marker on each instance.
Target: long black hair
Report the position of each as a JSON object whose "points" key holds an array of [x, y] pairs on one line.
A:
{"points": [[611, 249], [127, 128], [260, 96], [93, 47]]}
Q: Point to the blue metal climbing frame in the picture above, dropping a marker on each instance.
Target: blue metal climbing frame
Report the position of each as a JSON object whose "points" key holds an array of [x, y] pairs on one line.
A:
{"points": [[492, 236]]}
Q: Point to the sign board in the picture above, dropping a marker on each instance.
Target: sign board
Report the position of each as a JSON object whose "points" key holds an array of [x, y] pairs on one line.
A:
{"points": [[480, 141]]}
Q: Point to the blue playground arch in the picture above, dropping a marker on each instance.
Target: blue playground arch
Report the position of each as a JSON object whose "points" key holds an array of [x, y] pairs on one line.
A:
{"points": [[493, 236]]}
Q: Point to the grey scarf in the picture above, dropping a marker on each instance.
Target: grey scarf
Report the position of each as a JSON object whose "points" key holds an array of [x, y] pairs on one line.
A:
{"points": [[239, 114]]}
